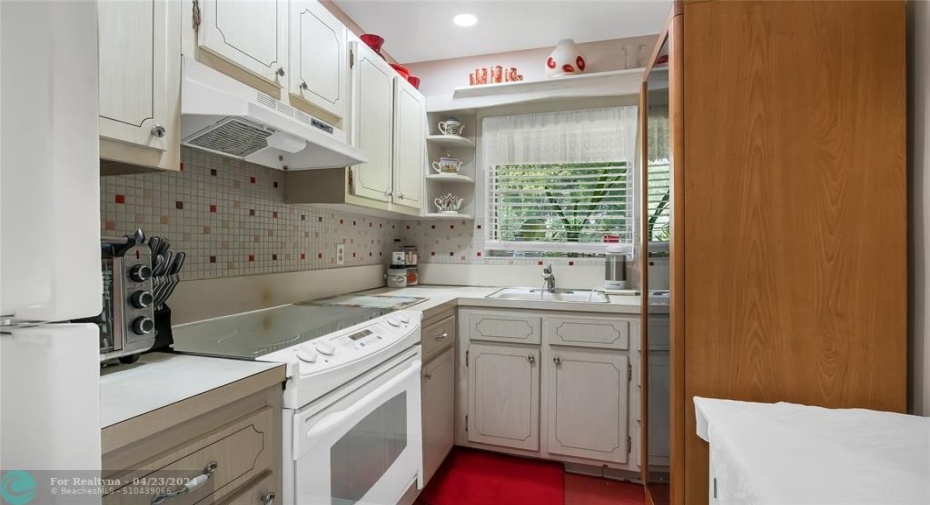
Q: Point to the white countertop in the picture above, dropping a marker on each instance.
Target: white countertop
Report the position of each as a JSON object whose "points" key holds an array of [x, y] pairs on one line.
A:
{"points": [[160, 379]]}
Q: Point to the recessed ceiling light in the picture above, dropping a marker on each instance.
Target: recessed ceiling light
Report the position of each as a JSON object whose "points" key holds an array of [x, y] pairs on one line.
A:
{"points": [[465, 20]]}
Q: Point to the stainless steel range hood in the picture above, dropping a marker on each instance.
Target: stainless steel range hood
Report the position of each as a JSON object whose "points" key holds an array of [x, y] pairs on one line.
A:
{"points": [[224, 116]]}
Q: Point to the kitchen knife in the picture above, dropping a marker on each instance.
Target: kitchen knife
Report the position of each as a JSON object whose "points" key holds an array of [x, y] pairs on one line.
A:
{"points": [[178, 263], [154, 244]]}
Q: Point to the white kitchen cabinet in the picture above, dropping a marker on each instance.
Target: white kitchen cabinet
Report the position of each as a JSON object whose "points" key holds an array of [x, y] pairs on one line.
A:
{"points": [[659, 408], [503, 390], [372, 123], [588, 404], [438, 386], [249, 34], [409, 144], [319, 58], [139, 73]]}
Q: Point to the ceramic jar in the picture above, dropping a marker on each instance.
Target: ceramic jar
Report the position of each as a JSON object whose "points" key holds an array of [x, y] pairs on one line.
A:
{"points": [[565, 59]]}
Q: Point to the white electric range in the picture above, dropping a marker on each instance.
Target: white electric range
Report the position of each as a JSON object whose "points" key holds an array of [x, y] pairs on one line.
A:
{"points": [[352, 432]]}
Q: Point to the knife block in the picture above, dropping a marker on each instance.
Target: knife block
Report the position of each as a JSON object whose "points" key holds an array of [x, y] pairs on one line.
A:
{"points": [[163, 336]]}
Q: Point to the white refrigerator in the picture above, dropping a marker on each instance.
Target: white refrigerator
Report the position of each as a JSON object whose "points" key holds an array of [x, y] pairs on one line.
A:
{"points": [[49, 237]]}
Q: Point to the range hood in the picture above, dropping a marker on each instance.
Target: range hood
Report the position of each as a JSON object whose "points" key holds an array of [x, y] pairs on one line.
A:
{"points": [[224, 116]]}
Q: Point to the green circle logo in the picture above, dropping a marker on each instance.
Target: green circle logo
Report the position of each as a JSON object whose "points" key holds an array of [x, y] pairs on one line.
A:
{"points": [[17, 487]]}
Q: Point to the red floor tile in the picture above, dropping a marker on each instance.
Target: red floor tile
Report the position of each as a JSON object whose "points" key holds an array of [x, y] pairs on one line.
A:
{"points": [[585, 490]]}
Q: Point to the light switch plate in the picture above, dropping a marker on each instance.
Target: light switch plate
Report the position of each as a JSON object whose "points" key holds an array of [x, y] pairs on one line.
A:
{"points": [[340, 254]]}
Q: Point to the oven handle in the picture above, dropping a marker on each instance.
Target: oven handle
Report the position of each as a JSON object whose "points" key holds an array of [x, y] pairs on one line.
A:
{"points": [[334, 419]]}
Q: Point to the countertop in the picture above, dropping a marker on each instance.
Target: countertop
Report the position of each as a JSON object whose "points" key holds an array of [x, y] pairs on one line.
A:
{"points": [[161, 379], [441, 298]]}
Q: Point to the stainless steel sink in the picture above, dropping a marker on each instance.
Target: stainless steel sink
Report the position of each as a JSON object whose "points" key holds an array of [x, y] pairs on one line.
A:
{"points": [[559, 295]]}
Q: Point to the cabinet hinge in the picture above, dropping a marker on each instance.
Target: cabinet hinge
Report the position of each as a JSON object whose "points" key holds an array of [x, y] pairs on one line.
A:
{"points": [[629, 444], [351, 182], [196, 14], [466, 360], [466, 424], [351, 58], [629, 372]]}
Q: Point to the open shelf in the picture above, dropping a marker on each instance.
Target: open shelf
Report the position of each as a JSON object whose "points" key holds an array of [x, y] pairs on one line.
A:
{"points": [[450, 140], [462, 179], [438, 215]]}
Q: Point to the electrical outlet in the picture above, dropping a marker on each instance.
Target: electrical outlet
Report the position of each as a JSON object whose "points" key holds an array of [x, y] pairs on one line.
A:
{"points": [[340, 254]]}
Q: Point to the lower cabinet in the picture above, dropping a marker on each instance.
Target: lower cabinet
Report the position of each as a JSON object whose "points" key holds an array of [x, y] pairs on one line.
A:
{"points": [[438, 385], [564, 394], [659, 409], [588, 404], [503, 398]]}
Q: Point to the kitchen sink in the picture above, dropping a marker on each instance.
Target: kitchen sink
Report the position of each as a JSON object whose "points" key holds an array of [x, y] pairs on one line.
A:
{"points": [[559, 295]]}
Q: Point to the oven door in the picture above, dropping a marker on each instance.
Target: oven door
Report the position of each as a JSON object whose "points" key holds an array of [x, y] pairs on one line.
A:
{"points": [[363, 447]]}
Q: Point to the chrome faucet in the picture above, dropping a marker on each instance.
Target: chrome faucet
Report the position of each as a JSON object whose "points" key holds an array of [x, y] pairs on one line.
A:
{"points": [[549, 278]]}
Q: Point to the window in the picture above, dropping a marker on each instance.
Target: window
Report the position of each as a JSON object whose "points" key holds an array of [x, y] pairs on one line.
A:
{"points": [[659, 204], [560, 182]]}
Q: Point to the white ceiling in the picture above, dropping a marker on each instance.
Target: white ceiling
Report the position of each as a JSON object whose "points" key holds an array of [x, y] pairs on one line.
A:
{"points": [[422, 30]]}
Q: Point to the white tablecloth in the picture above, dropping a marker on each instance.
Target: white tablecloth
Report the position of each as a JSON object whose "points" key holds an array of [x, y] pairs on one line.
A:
{"points": [[794, 454]]}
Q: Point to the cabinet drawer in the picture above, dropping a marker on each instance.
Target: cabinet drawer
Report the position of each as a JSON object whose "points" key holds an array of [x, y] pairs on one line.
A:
{"points": [[240, 452], [607, 332], [437, 337], [503, 327], [259, 492]]}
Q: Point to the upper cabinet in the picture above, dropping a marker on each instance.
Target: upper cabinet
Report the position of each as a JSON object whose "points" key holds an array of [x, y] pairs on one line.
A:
{"points": [[373, 110], [139, 72], [409, 144], [318, 59], [249, 34]]}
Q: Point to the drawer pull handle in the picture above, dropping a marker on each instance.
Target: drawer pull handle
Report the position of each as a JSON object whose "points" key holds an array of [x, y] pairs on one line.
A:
{"points": [[268, 498], [442, 335], [192, 485]]}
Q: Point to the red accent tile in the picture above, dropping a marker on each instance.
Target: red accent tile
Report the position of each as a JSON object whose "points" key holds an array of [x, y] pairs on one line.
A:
{"points": [[433, 226], [479, 226], [408, 226], [320, 219], [380, 225], [213, 173], [432, 254], [353, 255], [274, 214], [213, 208], [451, 226], [451, 254], [251, 180], [353, 223], [479, 254], [371, 224], [340, 221], [251, 258], [179, 205], [110, 225], [539, 262], [303, 256], [571, 263], [182, 167], [120, 198], [319, 255], [275, 183], [274, 257], [303, 217], [212, 259], [251, 212]]}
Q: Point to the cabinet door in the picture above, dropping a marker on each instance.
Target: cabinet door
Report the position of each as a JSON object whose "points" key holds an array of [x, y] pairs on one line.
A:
{"points": [[659, 408], [589, 404], [372, 120], [319, 57], [438, 411], [503, 396], [250, 34], [139, 65], [409, 144]]}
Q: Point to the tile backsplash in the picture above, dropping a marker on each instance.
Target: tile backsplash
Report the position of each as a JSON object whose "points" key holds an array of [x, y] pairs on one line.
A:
{"points": [[231, 219]]}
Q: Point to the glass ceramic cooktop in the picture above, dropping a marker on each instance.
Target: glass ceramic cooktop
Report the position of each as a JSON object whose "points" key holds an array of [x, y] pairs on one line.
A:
{"points": [[253, 334]]}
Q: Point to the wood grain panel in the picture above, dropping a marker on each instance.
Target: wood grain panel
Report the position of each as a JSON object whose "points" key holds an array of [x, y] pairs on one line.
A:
{"points": [[794, 197]]}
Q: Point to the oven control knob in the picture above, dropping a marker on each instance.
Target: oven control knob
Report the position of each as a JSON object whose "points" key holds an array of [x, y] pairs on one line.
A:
{"points": [[307, 353], [142, 325], [404, 318], [326, 348], [393, 321], [140, 273]]}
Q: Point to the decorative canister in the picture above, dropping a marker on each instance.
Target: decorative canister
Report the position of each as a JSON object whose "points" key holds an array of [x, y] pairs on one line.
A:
{"points": [[413, 275], [396, 277], [566, 58]]}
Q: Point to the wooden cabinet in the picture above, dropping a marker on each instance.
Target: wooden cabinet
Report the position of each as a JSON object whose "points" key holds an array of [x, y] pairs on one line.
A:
{"points": [[409, 144], [589, 404], [659, 409], [788, 208], [319, 59], [438, 407], [503, 396], [139, 74], [251, 35], [372, 124]]}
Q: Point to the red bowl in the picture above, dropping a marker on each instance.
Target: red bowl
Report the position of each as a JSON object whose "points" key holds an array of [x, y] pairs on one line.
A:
{"points": [[373, 41], [414, 80], [402, 70]]}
